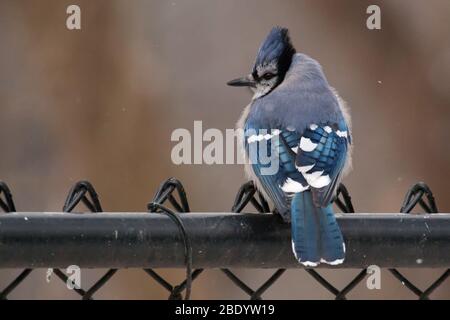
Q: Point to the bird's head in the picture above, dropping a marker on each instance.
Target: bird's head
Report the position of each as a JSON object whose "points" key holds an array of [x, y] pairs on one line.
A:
{"points": [[272, 62]]}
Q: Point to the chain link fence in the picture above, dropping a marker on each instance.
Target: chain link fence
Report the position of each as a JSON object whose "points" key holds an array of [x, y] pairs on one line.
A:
{"points": [[171, 200]]}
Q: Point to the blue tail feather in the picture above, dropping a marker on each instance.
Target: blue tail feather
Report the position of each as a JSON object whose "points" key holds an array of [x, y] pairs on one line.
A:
{"points": [[331, 240], [316, 236]]}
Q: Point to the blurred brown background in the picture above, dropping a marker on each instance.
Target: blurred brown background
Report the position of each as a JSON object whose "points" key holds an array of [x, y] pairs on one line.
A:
{"points": [[100, 104]]}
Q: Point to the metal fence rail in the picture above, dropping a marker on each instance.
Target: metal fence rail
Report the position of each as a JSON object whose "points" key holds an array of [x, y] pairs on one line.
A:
{"points": [[165, 237], [133, 240]]}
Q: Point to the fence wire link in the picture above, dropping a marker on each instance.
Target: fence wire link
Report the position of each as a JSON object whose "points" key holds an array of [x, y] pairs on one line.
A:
{"points": [[420, 194], [8, 206], [85, 193], [164, 193], [172, 192], [6, 200], [246, 195]]}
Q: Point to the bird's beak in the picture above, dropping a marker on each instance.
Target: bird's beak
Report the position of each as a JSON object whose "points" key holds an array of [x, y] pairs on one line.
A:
{"points": [[247, 81]]}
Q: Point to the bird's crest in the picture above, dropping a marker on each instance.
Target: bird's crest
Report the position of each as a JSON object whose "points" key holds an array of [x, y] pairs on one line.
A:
{"points": [[276, 48]]}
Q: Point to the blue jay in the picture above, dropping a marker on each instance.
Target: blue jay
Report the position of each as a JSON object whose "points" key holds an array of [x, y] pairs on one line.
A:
{"points": [[303, 124]]}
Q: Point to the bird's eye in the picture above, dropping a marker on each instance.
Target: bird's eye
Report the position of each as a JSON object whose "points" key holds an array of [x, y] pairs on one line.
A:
{"points": [[268, 76]]}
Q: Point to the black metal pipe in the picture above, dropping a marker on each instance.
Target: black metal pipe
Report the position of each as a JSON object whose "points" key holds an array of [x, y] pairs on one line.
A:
{"points": [[219, 240]]}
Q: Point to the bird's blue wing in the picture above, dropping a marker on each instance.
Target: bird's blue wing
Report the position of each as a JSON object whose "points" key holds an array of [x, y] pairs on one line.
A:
{"points": [[321, 157], [311, 160], [272, 158]]}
